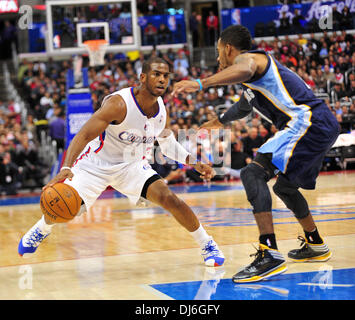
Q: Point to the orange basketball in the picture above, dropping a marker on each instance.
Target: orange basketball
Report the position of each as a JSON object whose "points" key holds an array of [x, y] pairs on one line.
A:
{"points": [[60, 203]]}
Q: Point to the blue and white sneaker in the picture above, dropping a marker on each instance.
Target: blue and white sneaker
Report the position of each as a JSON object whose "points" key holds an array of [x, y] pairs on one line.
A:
{"points": [[212, 255], [31, 240]]}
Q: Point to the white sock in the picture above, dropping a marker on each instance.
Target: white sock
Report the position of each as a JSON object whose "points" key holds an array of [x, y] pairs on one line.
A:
{"points": [[201, 236], [44, 226]]}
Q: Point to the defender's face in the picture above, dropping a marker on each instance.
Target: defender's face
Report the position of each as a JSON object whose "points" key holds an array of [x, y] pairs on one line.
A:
{"points": [[157, 79], [222, 56]]}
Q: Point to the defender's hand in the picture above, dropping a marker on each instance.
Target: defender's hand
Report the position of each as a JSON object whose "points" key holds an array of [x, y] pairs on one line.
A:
{"points": [[61, 176], [212, 124], [185, 86]]}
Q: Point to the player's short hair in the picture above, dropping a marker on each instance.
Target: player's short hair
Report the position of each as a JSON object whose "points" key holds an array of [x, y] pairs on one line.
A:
{"points": [[147, 64], [238, 36]]}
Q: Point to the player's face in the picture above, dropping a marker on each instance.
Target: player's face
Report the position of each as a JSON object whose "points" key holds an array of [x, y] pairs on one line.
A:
{"points": [[222, 56], [157, 80]]}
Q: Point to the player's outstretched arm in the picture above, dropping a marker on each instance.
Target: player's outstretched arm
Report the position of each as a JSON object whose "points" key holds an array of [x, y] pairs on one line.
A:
{"points": [[113, 109], [242, 70], [238, 110]]}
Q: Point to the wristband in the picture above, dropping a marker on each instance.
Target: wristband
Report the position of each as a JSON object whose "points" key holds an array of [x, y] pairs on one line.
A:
{"points": [[63, 168], [200, 83], [220, 118]]}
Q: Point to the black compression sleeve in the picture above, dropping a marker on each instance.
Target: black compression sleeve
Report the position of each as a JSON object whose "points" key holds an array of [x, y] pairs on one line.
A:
{"points": [[237, 111]]}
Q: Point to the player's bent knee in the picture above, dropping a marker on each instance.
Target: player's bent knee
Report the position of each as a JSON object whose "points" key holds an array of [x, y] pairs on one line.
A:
{"points": [[292, 198], [254, 179]]}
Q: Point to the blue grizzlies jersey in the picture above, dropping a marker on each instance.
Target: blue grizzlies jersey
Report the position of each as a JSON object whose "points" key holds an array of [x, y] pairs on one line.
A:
{"points": [[307, 128], [282, 96]]}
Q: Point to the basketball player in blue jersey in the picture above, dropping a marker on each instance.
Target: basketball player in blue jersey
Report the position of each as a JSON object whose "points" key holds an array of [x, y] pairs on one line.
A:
{"points": [[307, 130]]}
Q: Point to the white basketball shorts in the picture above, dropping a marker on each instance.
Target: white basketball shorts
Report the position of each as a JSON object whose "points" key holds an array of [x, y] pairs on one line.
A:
{"points": [[91, 179]]}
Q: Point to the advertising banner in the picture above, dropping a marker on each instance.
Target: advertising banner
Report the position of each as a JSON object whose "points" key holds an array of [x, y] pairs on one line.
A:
{"points": [[249, 17], [79, 110], [8, 6]]}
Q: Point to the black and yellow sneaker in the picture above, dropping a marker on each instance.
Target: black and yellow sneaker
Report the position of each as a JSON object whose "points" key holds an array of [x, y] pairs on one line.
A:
{"points": [[310, 252], [268, 263]]}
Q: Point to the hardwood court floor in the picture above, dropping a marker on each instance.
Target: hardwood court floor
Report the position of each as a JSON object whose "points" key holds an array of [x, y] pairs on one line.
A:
{"points": [[117, 251]]}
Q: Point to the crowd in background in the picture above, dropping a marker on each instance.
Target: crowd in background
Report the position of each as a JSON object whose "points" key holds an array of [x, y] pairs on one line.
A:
{"points": [[322, 63], [295, 23]]}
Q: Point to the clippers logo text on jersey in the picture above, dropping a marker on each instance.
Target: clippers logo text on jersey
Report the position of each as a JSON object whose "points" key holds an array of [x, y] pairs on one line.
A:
{"points": [[129, 138]]}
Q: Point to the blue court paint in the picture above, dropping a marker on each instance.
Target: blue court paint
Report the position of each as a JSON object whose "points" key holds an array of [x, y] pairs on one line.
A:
{"points": [[326, 284], [236, 217], [12, 201]]}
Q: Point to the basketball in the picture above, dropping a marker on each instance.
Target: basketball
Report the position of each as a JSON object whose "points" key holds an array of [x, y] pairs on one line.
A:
{"points": [[60, 203]]}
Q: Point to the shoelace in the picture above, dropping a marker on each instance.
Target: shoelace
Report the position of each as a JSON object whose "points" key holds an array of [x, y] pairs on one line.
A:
{"points": [[210, 248], [36, 237], [303, 243], [259, 254]]}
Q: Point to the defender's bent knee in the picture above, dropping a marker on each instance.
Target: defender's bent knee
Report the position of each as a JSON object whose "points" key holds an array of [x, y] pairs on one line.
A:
{"points": [[254, 179], [291, 197]]}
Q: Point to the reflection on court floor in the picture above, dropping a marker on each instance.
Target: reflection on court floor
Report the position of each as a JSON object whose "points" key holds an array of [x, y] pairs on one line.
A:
{"points": [[325, 284]]}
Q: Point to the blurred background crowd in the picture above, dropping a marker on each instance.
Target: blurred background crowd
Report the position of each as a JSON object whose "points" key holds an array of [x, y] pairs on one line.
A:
{"points": [[323, 62]]}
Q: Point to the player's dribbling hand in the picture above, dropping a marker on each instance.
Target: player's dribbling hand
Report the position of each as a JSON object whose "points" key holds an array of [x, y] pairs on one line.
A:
{"points": [[207, 172], [61, 176], [185, 86]]}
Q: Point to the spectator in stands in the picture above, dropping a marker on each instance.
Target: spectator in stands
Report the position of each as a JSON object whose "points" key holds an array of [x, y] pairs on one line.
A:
{"points": [[337, 108], [264, 133], [152, 7], [181, 71], [352, 108], [41, 121], [150, 34], [343, 65], [328, 75], [252, 142], [138, 64], [323, 53], [239, 159], [320, 81], [337, 18], [297, 22], [284, 24], [8, 38], [344, 111], [176, 174], [14, 110], [9, 174], [31, 128], [338, 91], [46, 100], [191, 173], [57, 128], [194, 23], [351, 91], [181, 61], [27, 158], [3, 108], [212, 28], [122, 33], [164, 34]]}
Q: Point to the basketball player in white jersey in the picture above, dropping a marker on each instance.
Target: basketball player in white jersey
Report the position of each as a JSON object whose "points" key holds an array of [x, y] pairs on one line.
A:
{"points": [[113, 148]]}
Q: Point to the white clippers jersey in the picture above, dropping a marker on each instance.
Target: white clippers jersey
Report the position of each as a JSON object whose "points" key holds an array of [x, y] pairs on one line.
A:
{"points": [[132, 139]]}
